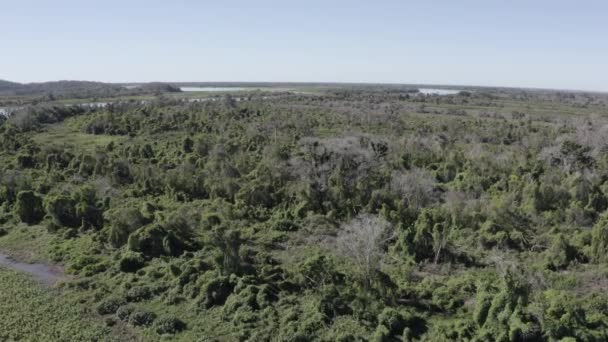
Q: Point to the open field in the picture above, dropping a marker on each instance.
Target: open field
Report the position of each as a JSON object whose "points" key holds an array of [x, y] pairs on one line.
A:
{"points": [[31, 312]]}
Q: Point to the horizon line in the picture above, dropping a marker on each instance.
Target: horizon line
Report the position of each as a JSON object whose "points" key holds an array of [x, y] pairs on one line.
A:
{"points": [[361, 83]]}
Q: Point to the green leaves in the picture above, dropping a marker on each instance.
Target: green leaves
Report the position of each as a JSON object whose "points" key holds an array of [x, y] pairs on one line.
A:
{"points": [[29, 207], [599, 240]]}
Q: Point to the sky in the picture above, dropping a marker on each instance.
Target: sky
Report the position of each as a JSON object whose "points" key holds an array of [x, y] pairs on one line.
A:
{"points": [[517, 43]]}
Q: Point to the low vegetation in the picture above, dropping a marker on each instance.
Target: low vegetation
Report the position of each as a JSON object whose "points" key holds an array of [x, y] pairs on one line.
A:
{"points": [[32, 313]]}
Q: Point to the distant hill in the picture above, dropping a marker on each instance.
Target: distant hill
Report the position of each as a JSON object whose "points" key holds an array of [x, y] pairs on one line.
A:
{"points": [[8, 86], [79, 89]]}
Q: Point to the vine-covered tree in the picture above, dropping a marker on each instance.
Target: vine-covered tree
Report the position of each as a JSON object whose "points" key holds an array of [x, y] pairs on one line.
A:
{"points": [[29, 207]]}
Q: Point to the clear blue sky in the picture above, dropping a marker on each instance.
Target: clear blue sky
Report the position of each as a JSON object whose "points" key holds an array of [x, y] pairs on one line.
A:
{"points": [[528, 43]]}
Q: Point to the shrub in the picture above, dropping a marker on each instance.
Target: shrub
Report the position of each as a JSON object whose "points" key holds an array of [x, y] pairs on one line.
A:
{"points": [[122, 222], [599, 240], [29, 207], [131, 262], [62, 210], [390, 323], [110, 322], [187, 144], [169, 325], [316, 271], [138, 293], [121, 172], [88, 210], [228, 258], [109, 306], [82, 261], [97, 268], [25, 160], [215, 292], [144, 318], [285, 225], [87, 165], [124, 312], [560, 254], [173, 299], [156, 240]]}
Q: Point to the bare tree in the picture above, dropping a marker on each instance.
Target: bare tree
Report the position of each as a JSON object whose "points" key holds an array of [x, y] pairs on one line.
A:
{"points": [[416, 187], [592, 132], [362, 240], [356, 158]]}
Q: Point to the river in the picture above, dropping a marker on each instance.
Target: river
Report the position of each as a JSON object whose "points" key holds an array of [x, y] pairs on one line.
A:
{"points": [[433, 91]]}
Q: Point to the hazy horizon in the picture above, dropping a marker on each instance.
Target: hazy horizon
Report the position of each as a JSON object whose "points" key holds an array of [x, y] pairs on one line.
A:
{"points": [[212, 83], [545, 44]]}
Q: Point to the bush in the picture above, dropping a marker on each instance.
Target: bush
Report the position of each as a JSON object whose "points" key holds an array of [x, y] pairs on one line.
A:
{"points": [[560, 254], [62, 210], [29, 207], [144, 318], [599, 240], [122, 222], [124, 312], [83, 261], [285, 225], [131, 262], [390, 323], [215, 292], [187, 144], [87, 265], [109, 306], [169, 325], [154, 241], [138, 294], [26, 161]]}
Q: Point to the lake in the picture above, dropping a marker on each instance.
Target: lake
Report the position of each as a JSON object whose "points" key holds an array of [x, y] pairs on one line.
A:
{"points": [[215, 89], [432, 91]]}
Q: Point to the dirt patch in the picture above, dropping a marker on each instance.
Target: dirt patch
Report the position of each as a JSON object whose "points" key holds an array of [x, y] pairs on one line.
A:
{"points": [[46, 274]]}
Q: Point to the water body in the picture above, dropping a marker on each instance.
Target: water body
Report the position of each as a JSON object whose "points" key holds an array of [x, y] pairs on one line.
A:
{"points": [[432, 91], [93, 104], [6, 111], [215, 89], [45, 274]]}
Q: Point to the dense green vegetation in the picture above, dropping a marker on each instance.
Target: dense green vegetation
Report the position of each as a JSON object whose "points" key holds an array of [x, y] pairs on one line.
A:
{"points": [[362, 213]]}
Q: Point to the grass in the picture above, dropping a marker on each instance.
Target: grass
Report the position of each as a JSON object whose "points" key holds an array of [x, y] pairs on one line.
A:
{"points": [[27, 243], [33, 313], [30, 311], [66, 136], [34, 244]]}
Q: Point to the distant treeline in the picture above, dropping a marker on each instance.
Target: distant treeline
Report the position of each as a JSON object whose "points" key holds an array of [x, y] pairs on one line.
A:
{"points": [[80, 89]]}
